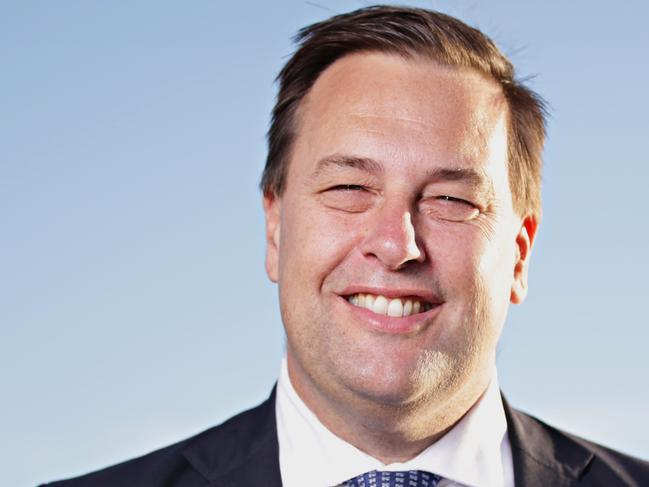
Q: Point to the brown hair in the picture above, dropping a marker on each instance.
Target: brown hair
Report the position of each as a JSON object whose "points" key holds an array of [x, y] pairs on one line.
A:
{"points": [[410, 32]]}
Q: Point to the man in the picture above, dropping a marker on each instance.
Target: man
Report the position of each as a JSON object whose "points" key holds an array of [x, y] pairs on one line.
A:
{"points": [[402, 199]]}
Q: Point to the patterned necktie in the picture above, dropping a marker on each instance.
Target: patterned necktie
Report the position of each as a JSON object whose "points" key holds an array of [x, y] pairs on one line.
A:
{"points": [[412, 478]]}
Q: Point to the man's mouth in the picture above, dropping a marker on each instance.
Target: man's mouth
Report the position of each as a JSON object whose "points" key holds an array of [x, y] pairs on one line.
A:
{"points": [[395, 307]]}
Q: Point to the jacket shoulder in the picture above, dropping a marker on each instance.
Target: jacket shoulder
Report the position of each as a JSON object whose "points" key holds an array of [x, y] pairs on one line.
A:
{"points": [[187, 463], [540, 448], [631, 470]]}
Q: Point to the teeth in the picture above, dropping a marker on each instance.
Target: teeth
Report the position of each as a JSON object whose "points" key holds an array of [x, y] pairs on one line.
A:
{"points": [[380, 305], [395, 307], [407, 308]]}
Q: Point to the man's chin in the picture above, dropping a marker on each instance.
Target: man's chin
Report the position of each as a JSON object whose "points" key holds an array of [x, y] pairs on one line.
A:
{"points": [[401, 392], [402, 384], [394, 398]]}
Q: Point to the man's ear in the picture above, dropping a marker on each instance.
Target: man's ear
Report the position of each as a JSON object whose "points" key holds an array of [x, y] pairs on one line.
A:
{"points": [[524, 242], [272, 212]]}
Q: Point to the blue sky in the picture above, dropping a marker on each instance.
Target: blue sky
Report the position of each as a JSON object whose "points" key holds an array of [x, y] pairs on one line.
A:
{"points": [[134, 307]]}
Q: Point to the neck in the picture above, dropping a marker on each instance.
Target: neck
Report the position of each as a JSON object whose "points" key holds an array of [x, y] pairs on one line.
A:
{"points": [[388, 431]]}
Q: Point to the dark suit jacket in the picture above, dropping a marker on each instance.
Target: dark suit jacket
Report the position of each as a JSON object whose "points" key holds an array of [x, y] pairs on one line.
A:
{"points": [[243, 452]]}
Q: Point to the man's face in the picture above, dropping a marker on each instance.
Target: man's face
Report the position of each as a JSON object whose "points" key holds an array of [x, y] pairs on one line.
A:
{"points": [[395, 244]]}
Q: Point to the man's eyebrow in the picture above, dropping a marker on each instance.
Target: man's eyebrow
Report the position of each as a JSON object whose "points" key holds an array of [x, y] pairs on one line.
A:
{"points": [[346, 161], [472, 176]]}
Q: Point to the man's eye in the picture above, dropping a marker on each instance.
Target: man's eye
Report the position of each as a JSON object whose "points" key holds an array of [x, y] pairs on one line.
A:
{"points": [[453, 199], [352, 198], [451, 208], [347, 187]]}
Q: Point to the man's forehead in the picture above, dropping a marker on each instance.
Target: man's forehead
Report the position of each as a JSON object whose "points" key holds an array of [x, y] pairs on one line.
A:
{"points": [[394, 79], [415, 103]]}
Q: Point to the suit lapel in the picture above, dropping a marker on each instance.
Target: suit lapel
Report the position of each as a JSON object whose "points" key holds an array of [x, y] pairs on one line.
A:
{"points": [[244, 451], [241, 452], [543, 456]]}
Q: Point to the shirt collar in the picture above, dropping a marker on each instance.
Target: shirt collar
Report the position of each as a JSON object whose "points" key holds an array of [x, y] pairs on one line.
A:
{"points": [[475, 452]]}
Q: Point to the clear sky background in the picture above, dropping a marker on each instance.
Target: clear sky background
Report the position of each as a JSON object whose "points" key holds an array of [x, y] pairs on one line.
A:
{"points": [[134, 306]]}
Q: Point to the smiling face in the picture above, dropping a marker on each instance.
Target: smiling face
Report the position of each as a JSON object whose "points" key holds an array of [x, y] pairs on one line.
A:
{"points": [[395, 244]]}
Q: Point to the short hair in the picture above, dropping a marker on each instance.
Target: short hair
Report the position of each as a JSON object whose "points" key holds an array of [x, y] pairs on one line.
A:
{"points": [[409, 32]]}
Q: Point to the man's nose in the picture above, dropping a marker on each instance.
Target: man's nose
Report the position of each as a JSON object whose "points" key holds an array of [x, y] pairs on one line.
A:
{"points": [[392, 239]]}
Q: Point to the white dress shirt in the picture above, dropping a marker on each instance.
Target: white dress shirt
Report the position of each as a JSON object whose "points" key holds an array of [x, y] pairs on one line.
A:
{"points": [[474, 453]]}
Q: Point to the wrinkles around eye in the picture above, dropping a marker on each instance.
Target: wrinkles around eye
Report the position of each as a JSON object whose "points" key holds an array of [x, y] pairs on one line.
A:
{"points": [[356, 198], [352, 198], [449, 208]]}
